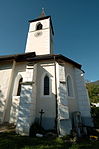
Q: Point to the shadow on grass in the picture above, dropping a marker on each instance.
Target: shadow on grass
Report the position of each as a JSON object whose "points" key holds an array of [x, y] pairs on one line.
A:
{"points": [[13, 141]]}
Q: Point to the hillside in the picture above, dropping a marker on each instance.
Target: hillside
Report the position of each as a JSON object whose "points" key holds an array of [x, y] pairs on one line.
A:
{"points": [[96, 82], [93, 91]]}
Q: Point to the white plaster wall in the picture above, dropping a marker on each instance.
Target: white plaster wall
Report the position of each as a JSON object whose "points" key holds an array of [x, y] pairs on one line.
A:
{"points": [[19, 71], [5, 77], [30, 76], [5, 74], [64, 119], [24, 114], [83, 101], [79, 101], [34, 92], [27, 105], [14, 109], [39, 44], [72, 101], [62, 95], [20, 68]]}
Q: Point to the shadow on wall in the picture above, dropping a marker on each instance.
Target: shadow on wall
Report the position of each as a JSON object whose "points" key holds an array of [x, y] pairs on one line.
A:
{"points": [[14, 109], [25, 110], [2, 104], [45, 97], [65, 124], [27, 104]]}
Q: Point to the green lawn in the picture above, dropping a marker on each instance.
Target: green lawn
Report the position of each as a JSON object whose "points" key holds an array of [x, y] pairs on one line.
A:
{"points": [[12, 141]]}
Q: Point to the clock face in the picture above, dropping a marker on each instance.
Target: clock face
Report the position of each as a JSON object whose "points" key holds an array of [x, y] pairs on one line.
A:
{"points": [[38, 34]]}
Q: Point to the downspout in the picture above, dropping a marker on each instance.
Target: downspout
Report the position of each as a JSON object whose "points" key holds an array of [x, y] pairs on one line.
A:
{"points": [[8, 103], [56, 121]]}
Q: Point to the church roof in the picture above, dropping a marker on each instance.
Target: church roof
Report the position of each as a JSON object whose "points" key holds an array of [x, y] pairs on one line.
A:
{"points": [[32, 57], [17, 57], [55, 57]]}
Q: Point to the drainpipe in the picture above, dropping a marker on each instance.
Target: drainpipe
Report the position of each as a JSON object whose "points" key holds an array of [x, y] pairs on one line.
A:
{"points": [[56, 121]]}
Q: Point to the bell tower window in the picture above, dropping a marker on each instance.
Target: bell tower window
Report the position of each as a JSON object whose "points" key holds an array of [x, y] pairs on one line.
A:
{"points": [[39, 26]]}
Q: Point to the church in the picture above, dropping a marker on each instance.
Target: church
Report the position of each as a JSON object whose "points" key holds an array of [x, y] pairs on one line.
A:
{"points": [[40, 86]]}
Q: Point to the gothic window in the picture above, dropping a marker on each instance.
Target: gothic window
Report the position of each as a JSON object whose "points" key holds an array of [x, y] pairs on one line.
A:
{"points": [[69, 86], [46, 85], [39, 26], [19, 87]]}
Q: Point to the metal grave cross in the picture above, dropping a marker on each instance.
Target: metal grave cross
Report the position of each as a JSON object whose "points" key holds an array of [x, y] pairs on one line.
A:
{"points": [[41, 114]]}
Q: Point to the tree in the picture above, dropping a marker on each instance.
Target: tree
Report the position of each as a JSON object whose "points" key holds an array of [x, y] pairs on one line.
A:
{"points": [[95, 115], [93, 91]]}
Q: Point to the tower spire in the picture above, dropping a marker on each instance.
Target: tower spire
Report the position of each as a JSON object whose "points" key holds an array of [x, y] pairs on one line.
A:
{"points": [[42, 13]]}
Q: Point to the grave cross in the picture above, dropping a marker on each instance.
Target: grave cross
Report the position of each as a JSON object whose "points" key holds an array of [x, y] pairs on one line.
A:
{"points": [[41, 114]]}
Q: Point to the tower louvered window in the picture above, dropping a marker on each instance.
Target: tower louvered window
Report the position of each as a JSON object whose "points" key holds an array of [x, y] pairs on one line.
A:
{"points": [[39, 26]]}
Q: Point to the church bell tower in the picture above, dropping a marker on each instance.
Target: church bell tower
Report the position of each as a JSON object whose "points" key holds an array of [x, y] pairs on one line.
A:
{"points": [[40, 35]]}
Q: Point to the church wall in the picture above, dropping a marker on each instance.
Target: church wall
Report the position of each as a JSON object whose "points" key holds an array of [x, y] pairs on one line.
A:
{"points": [[64, 120], [26, 114], [46, 102], [78, 102], [20, 68], [19, 72], [83, 99], [72, 101], [5, 74]]}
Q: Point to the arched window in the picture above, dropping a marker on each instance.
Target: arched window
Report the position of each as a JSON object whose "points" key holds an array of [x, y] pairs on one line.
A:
{"points": [[19, 87], [69, 86], [39, 26], [46, 85]]}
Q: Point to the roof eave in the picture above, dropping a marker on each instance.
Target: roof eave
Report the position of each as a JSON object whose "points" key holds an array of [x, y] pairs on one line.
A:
{"points": [[17, 57], [56, 57]]}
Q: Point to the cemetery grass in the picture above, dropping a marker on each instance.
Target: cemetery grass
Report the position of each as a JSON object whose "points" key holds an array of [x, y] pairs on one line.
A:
{"points": [[13, 141]]}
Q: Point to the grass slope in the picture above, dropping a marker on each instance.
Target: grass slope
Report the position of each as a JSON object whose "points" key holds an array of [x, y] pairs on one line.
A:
{"points": [[12, 141]]}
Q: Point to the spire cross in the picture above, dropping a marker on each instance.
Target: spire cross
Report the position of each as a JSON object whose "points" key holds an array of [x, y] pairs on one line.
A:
{"points": [[42, 13], [42, 9]]}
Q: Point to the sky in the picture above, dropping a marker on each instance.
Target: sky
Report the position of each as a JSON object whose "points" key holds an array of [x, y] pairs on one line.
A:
{"points": [[76, 27]]}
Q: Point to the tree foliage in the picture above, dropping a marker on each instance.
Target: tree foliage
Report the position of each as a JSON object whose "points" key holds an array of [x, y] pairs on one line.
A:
{"points": [[95, 115], [93, 91]]}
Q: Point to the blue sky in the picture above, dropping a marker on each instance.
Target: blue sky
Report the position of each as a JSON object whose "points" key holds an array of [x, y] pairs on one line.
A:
{"points": [[76, 27]]}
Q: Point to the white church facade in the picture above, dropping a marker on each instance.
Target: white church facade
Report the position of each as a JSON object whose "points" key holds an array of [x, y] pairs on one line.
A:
{"points": [[39, 80]]}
